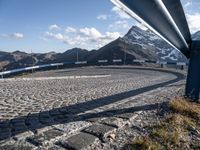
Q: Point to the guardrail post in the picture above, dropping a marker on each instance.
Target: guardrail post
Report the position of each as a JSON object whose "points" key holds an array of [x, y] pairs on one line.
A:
{"points": [[182, 67], [193, 78]]}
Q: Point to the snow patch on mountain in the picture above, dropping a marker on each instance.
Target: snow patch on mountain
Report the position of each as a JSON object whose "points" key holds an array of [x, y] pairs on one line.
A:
{"points": [[149, 41]]}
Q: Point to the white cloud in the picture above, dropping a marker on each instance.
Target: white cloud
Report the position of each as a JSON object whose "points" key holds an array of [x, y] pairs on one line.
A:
{"points": [[120, 13], [109, 36], [70, 30], [120, 24], [90, 32], [89, 38], [194, 22], [102, 17], [57, 36], [16, 36], [54, 27]]}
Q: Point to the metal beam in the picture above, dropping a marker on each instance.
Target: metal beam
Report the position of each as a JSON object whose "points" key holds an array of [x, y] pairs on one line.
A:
{"points": [[176, 11], [156, 16]]}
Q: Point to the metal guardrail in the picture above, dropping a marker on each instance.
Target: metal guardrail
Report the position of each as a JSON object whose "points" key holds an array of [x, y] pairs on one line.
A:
{"points": [[29, 68], [167, 19], [105, 61]]}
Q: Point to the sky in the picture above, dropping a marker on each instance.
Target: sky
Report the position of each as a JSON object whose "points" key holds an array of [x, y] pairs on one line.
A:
{"points": [[58, 25]]}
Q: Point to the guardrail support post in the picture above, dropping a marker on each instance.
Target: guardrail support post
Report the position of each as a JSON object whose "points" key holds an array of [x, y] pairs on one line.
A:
{"points": [[182, 67], [193, 78]]}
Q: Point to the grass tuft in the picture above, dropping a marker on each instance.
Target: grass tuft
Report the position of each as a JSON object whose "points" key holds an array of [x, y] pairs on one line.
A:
{"points": [[144, 143], [185, 107]]}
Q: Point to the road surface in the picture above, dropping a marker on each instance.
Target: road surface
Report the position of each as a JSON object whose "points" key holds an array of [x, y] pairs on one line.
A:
{"points": [[46, 109]]}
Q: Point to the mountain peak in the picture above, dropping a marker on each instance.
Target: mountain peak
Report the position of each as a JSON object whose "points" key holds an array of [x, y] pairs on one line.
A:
{"points": [[149, 41], [18, 52]]}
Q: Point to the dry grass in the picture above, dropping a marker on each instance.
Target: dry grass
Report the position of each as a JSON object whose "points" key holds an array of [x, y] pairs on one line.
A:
{"points": [[144, 143], [175, 119], [185, 107], [173, 129]]}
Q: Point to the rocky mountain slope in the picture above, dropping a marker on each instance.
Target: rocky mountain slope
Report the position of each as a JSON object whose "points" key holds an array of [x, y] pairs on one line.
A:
{"points": [[148, 41]]}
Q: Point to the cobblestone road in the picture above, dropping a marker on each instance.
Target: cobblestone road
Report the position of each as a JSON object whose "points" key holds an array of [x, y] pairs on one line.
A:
{"points": [[50, 113]]}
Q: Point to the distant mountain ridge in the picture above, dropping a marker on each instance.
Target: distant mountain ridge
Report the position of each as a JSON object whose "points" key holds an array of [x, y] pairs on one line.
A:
{"points": [[137, 43]]}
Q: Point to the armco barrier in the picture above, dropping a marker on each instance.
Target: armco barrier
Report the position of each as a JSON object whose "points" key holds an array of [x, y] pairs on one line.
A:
{"points": [[182, 64], [117, 60], [29, 68], [103, 61], [80, 62]]}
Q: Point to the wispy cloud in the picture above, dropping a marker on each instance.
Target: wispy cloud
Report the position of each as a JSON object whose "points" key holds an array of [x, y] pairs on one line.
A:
{"points": [[120, 13], [120, 24], [54, 27], [16, 36], [102, 17], [70, 30]]}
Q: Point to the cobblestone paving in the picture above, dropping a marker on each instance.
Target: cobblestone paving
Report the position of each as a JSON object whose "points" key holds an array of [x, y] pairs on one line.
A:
{"points": [[58, 113]]}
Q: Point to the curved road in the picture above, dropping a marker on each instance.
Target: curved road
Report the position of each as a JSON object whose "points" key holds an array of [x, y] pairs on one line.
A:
{"points": [[27, 107]]}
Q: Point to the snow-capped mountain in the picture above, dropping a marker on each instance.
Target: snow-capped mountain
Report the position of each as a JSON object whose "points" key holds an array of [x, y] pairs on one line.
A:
{"points": [[151, 42]]}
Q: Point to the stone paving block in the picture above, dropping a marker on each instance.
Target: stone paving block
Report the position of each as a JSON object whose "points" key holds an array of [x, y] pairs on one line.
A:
{"points": [[16, 147], [4, 136], [113, 121], [63, 110], [5, 133], [33, 123], [95, 119], [61, 118], [99, 130], [4, 124], [72, 127], [23, 135], [45, 137], [55, 112], [45, 118], [55, 147], [78, 142], [19, 128], [125, 115]]}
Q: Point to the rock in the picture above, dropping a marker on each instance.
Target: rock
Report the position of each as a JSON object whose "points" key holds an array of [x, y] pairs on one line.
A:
{"points": [[44, 137], [78, 142], [99, 130], [115, 122], [112, 136]]}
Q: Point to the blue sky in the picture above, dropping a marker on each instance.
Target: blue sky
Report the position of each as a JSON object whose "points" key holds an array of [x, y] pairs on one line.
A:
{"points": [[58, 25]]}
